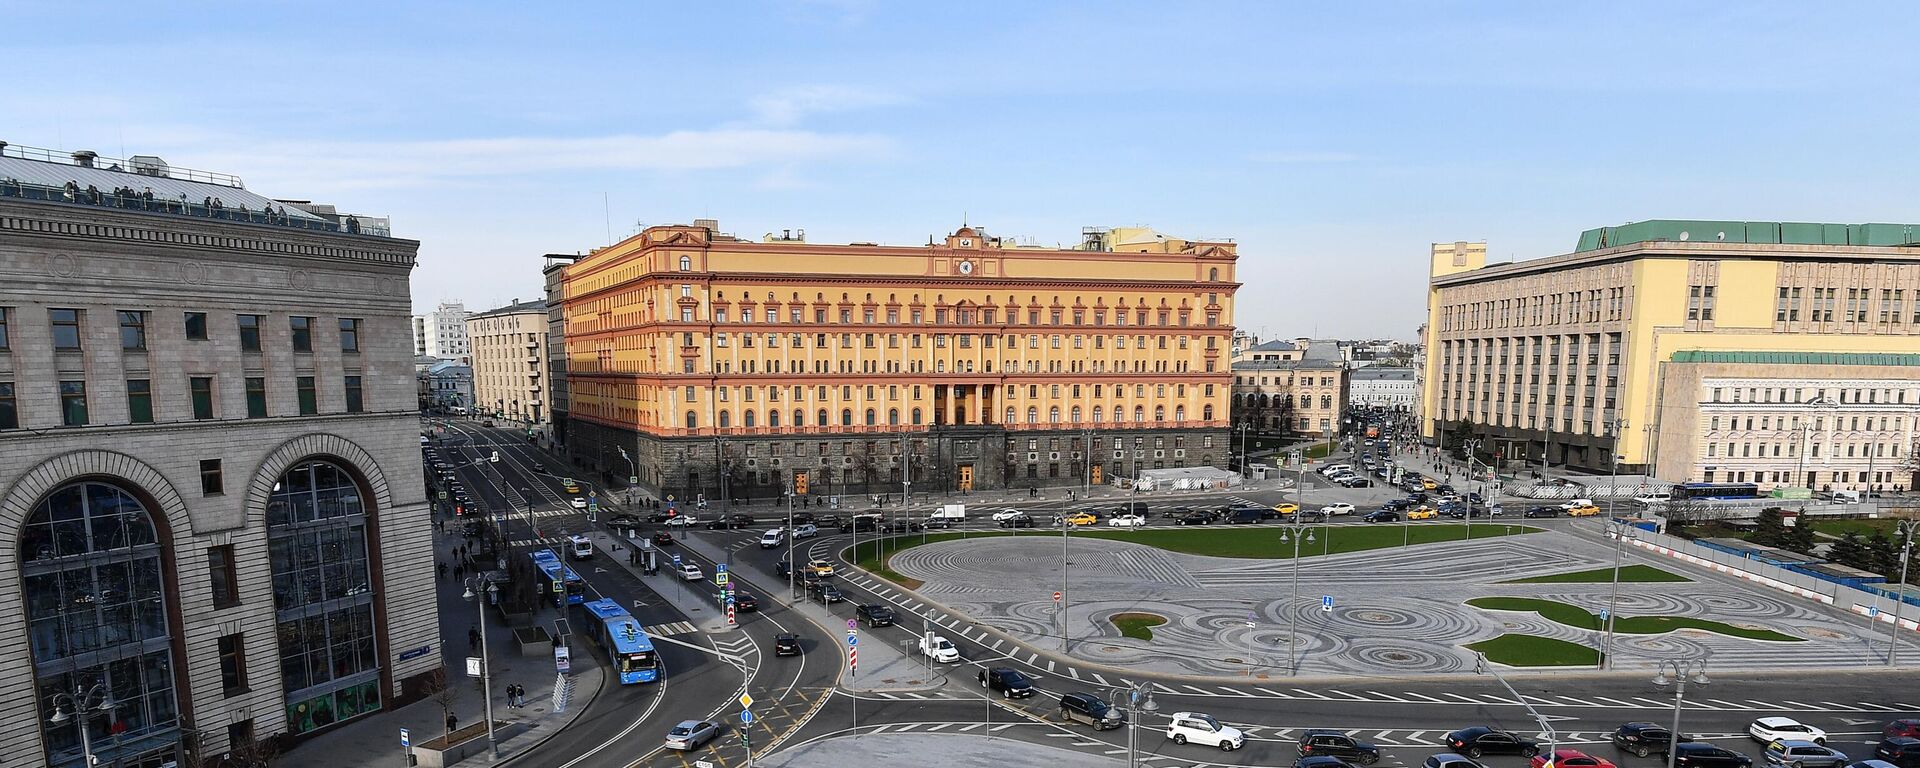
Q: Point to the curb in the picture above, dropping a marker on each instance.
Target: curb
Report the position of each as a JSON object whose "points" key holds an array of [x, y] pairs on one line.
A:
{"points": [[577, 713]]}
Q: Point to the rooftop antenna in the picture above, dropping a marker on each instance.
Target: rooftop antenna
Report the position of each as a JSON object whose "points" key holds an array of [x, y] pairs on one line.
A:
{"points": [[606, 214]]}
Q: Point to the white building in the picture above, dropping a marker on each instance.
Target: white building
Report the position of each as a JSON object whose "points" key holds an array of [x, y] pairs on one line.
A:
{"points": [[1394, 389], [443, 333]]}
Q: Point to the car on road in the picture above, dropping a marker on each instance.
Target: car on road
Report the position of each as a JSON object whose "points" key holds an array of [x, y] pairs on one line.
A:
{"points": [[1007, 514], [682, 521], [1543, 512], [1451, 760], [1397, 505], [1286, 508], [1422, 513], [1197, 728], [691, 572], [1583, 511], [745, 603], [1247, 515], [1321, 761], [1007, 682], [1341, 508], [773, 538], [1800, 753], [1196, 517], [939, 649], [1082, 707], [1381, 516], [874, 615], [821, 567], [1325, 741], [1700, 754], [786, 644], [1903, 727], [1643, 739], [1902, 751], [1126, 521], [1571, 758], [624, 520], [1770, 729], [825, 594], [663, 538], [690, 734], [1428, 484], [1023, 521], [1481, 740], [579, 503], [805, 531], [730, 522], [1355, 481], [1079, 518], [1310, 516]]}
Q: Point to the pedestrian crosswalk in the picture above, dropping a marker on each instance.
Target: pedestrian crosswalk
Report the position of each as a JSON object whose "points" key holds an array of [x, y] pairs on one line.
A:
{"points": [[672, 628]]}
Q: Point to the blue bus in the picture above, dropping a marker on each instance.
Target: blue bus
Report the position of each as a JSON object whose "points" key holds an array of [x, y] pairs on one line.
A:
{"points": [[626, 644], [560, 578], [1715, 491]]}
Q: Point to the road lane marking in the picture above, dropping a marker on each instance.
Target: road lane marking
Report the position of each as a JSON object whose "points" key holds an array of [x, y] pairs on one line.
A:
{"points": [[1306, 692], [1416, 695], [970, 726], [938, 726]]}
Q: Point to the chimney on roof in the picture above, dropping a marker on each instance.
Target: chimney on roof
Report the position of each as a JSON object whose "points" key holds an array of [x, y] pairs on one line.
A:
{"points": [[712, 225], [786, 234], [84, 158]]}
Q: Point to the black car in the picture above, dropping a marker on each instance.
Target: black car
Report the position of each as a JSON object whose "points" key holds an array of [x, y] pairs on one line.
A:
{"points": [[624, 521], [1544, 512], [825, 593], [1643, 739], [1481, 740], [1009, 683], [874, 615], [1356, 481], [1699, 754], [1195, 518], [901, 525], [1021, 521], [1381, 516], [1310, 516], [786, 644], [1400, 504], [1246, 515], [745, 603], [1903, 751], [1323, 741], [802, 517], [1090, 709], [663, 538], [783, 567], [1175, 513]]}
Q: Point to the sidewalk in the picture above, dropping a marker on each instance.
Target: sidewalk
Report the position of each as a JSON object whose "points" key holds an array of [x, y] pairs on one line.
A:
{"points": [[883, 750], [375, 740]]}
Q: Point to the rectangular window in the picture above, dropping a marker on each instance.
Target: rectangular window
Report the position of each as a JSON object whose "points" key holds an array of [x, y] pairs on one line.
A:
{"points": [[249, 333], [302, 333], [66, 329], [354, 404], [303, 386], [256, 397], [221, 576], [201, 388], [210, 483], [140, 401], [3, 327], [73, 403], [349, 334], [133, 331], [9, 413], [233, 665]]}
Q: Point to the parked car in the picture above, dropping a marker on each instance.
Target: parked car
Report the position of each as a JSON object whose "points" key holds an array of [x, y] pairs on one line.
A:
{"points": [[1902, 727], [690, 734], [1087, 708], [1341, 508], [1800, 753], [1321, 761], [1197, 728], [1481, 740], [1323, 741], [1007, 682], [874, 615], [1902, 751], [786, 644], [1700, 754], [1451, 760], [1771, 729], [1126, 521], [1571, 758], [1643, 739]]}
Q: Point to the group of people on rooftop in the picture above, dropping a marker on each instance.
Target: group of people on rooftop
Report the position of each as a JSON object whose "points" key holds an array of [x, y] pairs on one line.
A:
{"points": [[144, 199]]}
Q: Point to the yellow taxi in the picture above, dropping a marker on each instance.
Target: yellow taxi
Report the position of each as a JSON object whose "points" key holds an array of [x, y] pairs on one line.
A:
{"points": [[1423, 513], [1583, 511], [1287, 508], [1080, 518], [1428, 483], [570, 486], [820, 567]]}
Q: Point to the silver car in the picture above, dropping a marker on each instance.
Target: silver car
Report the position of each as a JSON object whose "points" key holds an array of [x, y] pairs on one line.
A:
{"points": [[690, 734], [1798, 753]]}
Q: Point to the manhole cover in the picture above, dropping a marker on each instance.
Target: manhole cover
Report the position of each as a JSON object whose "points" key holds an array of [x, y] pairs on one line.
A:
{"points": [[1374, 616]]}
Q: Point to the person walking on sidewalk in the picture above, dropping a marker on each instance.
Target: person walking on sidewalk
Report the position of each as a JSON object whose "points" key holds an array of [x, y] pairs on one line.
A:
{"points": [[453, 723], [473, 638]]}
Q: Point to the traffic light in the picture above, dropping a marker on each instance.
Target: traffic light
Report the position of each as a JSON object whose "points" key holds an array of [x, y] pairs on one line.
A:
{"points": [[800, 483]]}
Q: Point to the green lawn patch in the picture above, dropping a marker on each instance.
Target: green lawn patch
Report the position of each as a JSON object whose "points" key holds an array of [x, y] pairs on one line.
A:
{"points": [[1530, 651], [1579, 618], [1220, 540], [1138, 626], [1866, 528], [1319, 450], [1634, 573]]}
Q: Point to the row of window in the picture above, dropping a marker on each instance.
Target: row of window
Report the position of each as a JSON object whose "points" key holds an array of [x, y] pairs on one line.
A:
{"points": [[1792, 448], [1819, 304], [65, 327], [1589, 306], [75, 410], [1164, 317], [749, 418], [940, 340], [1852, 424], [894, 391], [1842, 477], [1844, 395]]}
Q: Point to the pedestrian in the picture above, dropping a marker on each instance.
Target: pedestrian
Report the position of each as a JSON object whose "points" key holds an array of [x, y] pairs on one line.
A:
{"points": [[440, 571], [453, 723], [459, 572], [473, 638]]}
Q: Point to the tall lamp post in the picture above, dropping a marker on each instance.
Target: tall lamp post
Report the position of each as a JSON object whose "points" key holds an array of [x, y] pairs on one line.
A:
{"points": [[1619, 530], [1684, 671], [1134, 699], [1905, 530], [1066, 531], [486, 671], [83, 702], [1481, 667], [1298, 533]]}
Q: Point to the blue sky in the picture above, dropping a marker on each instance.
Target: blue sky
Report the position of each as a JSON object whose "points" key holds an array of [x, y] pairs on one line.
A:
{"points": [[1333, 141]]}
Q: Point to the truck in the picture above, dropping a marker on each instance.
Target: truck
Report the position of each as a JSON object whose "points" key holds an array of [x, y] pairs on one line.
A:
{"points": [[948, 515], [939, 649]]}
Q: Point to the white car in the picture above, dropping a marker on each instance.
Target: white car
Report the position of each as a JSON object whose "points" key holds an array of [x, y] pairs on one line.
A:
{"points": [[1341, 508], [1196, 728], [805, 531], [940, 649], [1007, 514], [773, 538], [1767, 730], [681, 521], [1126, 521], [691, 572], [579, 503]]}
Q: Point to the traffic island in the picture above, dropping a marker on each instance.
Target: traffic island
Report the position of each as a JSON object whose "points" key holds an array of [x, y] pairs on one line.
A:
{"points": [[445, 750], [1579, 618], [1629, 573], [1136, 625], [1529, 651]]}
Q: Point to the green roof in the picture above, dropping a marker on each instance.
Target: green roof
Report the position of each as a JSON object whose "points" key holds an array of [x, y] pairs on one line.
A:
{"points": [[1769, 232], [1799, 358]]}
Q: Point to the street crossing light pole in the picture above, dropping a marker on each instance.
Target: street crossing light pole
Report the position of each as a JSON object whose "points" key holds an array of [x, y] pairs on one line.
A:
{"points": [[1298, 533], [1481, 667], [1684, 671], [1136, 699], [1905, 530]]}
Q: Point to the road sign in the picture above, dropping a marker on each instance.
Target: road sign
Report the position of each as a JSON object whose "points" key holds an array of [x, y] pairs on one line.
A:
{"points": [[720, 578], [853, 624], [1056, 597], [1873, 612], [853, 640], [746, 701], [676, 559], [702, 764], [1603, 614], [1326, 603], [746, 717], [406, 739], [443, 495], [632, 480]]}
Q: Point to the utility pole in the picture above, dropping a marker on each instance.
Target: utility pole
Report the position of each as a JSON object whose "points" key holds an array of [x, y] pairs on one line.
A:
{"points": [[1906, 530]]}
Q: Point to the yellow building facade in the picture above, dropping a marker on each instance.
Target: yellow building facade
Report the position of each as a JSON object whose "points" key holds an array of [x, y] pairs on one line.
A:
{"points": [[509, 351], [704, 355], [1626, 346]]}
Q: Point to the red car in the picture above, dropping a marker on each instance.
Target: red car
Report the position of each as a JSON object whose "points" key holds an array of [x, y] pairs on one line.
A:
{"points": [[1570, 758]]}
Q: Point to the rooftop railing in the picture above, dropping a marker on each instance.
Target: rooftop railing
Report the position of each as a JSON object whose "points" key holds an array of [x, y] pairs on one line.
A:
{"points": [[127, 200], [144, 166]]}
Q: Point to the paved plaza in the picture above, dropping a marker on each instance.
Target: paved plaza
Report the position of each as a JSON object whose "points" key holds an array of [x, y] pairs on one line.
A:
{"points": [[1394, 610]]}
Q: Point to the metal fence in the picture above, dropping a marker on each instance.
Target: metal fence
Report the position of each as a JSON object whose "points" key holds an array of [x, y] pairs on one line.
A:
{"points": [[1864, 601]]}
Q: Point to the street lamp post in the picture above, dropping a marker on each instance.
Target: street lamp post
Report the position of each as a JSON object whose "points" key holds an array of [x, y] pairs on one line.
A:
{"points": [[1905, 530], [1481, 667], [486, 669], [1066, 531], [83, 702], [1619, 531], [1298, 533], [1136, 699], [1684, 671]]}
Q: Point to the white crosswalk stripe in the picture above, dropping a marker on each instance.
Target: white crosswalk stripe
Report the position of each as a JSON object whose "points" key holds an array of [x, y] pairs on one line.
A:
{"points": [[675, 628]]}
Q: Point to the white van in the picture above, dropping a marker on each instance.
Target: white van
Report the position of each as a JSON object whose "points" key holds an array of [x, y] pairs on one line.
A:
{"points": [[773, 538], [949, 514], [1332, 468], [579, 547]]}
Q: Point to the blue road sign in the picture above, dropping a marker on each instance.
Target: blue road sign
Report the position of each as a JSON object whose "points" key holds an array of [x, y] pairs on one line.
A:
{"points": [[729, 598], [746, 717], [1603, 614], [853, 640], [721, 567], [406, 739], [676, 559], [1326, 602], [1873, 612]]}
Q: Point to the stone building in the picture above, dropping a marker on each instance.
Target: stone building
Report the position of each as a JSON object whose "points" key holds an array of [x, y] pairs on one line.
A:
{"points": [[510, 362], [209, 481]]}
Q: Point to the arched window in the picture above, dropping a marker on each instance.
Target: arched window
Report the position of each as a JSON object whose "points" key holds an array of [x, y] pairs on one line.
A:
{"points": [[1053, 415], [1033, 415], [773, 417], [1011, 415], [1326, 401], [686, 263], [871, 421], [893, 417], [1159, 413], [1119, 414], [1139, 414], [1306, 401], [726, 420], [846, 417], [693, 420], [1179, 413], [317, 534], [822, 421], [916, 416], [1076, 414], [747, 418], [1097, 414], [95, 596], [1213, 275], [1206, 414]]}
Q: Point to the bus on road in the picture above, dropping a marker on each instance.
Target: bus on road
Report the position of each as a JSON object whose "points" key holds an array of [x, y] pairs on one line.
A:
{"points": [[561, 580], [1714, 492], [626, 643]]}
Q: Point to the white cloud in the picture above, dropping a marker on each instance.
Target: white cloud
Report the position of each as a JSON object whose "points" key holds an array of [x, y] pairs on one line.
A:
{"points": [[1296, 157], [788, 106]]}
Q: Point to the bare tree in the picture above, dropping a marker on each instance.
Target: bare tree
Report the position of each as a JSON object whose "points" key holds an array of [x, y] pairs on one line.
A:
{"points": [[442, 694], [1684, 513]]}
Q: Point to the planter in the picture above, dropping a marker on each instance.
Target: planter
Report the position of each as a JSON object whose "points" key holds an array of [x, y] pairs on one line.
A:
{"points": [[533, 642], [442, 751]]}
